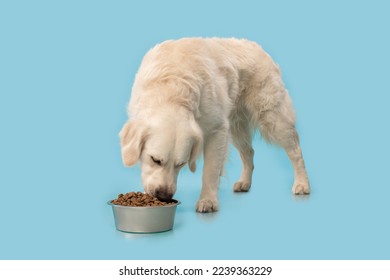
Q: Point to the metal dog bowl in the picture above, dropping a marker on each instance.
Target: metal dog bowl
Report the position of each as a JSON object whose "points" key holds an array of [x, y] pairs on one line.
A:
{"points": [[146, 219]]}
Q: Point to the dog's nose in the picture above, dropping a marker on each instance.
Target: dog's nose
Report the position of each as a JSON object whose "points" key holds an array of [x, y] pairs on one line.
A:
{"points": [[163, 194]]}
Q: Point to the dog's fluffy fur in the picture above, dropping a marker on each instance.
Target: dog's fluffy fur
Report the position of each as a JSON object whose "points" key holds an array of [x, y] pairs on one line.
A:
{"points": [[189, 95]]}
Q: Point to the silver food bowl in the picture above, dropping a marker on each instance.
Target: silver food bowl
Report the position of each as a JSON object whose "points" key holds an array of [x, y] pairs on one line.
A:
{"points": [[144, 219]]}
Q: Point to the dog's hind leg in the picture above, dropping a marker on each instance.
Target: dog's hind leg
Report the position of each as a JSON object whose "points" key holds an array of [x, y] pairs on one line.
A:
{"points": [[242, 139], [277, 125]]}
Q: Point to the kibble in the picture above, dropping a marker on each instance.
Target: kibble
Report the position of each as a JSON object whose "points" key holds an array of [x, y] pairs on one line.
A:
{"points": [[139, 199]]}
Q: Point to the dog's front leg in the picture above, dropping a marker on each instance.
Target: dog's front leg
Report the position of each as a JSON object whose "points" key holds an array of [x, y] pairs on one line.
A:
{"points": [[215, 150]]}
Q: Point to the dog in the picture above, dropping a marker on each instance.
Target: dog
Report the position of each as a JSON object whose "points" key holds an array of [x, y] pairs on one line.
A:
{"points": [[189, 97]]}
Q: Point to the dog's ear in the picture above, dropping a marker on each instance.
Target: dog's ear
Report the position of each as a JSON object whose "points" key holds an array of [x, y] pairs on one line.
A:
{"points": [[196, 147], [132, 136]]}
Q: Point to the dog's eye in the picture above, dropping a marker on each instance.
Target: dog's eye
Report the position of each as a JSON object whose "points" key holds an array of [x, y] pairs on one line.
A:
{"points": [[156, 161], [180, 164]]}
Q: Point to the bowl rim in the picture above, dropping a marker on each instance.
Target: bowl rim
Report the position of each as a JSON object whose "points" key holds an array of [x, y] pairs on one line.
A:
{"points": [[141, 207]]}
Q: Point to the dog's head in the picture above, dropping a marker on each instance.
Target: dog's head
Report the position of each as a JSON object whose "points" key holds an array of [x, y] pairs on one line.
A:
{"points": [[163, 143]]}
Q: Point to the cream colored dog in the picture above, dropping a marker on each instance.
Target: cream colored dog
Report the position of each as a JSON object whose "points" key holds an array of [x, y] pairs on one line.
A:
{"points": [[188, 96]]}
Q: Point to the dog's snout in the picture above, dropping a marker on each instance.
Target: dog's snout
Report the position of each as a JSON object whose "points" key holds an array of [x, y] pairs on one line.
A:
{"points": [[163, 194]]}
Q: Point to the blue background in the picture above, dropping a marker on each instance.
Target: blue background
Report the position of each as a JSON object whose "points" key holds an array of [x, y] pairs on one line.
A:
{"points": [[66, 71]]}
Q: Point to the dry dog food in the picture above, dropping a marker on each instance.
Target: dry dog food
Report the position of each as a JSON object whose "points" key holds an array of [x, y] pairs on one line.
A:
{"points": [[139, 199]]}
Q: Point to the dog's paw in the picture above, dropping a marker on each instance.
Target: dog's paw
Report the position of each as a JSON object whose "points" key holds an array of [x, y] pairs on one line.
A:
{"points": [[241, 186], [205, 205], [301, 188]]}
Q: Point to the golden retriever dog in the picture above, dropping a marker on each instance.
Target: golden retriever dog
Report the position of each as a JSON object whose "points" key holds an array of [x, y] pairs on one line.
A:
{"points": [[189, 97]]}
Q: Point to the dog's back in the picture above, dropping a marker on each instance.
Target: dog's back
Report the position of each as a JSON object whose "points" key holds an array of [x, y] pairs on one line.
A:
{"points": [[191, 67]]}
